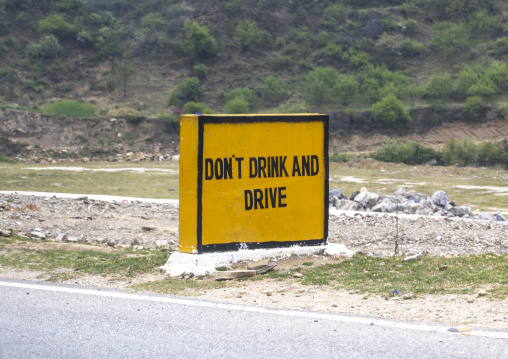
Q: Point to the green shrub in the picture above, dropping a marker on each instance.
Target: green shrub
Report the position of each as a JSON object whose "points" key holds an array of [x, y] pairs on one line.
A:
{"points": [[320, 86], [458, 152], [334, 15], [274, 89], [189, 89], [410, 153], [243, 93], [347, 88], [47, 48], [439, 86], [409, 26], [473, 108], [174, 98], [340, 157], [237, 106], [293, 106], [451, 37], [152, 20], [502, 45], [55, 24], [247, 33], [198, 42], [71, 108], [200, 70], [196, 107], [392, 113], [490, 154]]}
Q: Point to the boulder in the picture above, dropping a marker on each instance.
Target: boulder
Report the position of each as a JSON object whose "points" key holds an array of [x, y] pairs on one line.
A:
{"points": [[460, 211], [500, 217], [336, 193], [347, 205], [486, 216], [440, 198], [353, 195]]}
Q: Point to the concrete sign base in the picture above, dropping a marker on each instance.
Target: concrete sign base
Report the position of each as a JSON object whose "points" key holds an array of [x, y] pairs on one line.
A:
{"points": [[180, 263]]}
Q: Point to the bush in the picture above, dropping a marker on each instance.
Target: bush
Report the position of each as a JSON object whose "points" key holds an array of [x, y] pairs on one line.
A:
{"points": [[490, 154], [293, 107], [189, 89], [200, 70], [458, 152], [334, 15], [347, 88], [451, 37], [439, 86], [198, 42], [237, 106], [196, 107], [243, 93], [247, 33], [340, 157], [410, 153], [274, 89], [473, 108], [47, 48], [320, 86], [71, 108], [391, 112], [55, 24]]}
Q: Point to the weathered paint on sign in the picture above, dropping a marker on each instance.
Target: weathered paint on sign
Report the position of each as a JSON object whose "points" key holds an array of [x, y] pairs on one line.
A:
{"points": [[253, 181]]}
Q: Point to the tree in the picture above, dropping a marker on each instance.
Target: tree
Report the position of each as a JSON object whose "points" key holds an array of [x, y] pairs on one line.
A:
{"points": [[189, 89], [320, 86], [451, 37], [392, 113], [125, 73], [196, 107], [47, 48], [110, 43], [198, 42]]}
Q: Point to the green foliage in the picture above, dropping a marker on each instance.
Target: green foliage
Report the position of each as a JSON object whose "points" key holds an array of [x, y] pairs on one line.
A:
{"points": [[247, 33], [340, 157], [189, 89], [237, 106], [380, 81], [320, 86], [461, 9], [451, 37], [391, 112], [482, 23], [293, 106], [243, 93], [410, 153], [490, 154], [71, 108], [409, 26], [109, 43], [347, 88], [232, 7], [196, 107], [474, 107], [461, 152], [439, 86], [334, 15], [56, 25], [502, 45], [198, 42], [152, 20], [274, 89], [200, 70], [47, 48]]}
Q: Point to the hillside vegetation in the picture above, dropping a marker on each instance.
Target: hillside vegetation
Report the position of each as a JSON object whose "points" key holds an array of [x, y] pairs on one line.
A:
{"points": [[158, 58]]}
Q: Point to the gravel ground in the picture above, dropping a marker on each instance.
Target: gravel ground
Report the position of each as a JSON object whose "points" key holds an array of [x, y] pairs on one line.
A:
{"points": [[148, 225]]}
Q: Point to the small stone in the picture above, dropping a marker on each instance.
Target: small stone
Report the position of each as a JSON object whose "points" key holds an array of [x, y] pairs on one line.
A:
{"points": [[482, 293], [61, 236], [334, 305], [38, 235], [73, 239], [234, 274], [134, 242], [161, 243], [262, 266], [148, 229], [5, 233], [297, 275], [443, 267], [111, 243]]}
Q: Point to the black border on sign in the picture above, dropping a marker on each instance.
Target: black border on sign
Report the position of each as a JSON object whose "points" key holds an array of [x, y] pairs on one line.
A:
{"points": [[220, 247]]}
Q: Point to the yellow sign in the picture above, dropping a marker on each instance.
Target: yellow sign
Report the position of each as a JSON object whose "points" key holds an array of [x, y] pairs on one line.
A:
{"points": [[253, 181]]}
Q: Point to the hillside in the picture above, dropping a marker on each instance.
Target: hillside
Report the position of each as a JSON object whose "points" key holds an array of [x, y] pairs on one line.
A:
{"points": [[375, 66]]}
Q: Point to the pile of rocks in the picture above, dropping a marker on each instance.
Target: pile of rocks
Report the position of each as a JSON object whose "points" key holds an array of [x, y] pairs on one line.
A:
{"points": [[408, 202], [74, 157]]}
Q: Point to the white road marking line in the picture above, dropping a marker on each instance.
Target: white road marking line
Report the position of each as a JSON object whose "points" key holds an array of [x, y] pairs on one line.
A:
{"points": [[285, 312]]}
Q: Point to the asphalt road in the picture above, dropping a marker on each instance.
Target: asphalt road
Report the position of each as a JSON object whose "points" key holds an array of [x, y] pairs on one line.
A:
{"points": [[52, 321]]}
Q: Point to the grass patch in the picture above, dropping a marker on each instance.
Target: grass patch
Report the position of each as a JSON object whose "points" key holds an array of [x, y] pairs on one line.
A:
{"points": [[151, 184], [383, 276], [85, 262], [71, 108], [175, 286]]}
